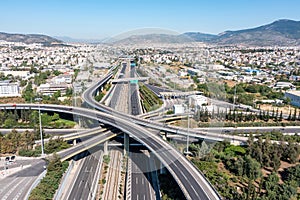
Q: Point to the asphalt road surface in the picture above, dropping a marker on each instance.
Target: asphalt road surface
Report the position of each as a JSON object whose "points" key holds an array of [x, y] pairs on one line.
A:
{"points": [[82, 188], [17, 185], [141, 179]]}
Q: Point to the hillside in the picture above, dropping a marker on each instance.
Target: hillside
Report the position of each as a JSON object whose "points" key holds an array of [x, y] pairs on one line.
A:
{"points": [[154, 38], [28, 38], [281, 32], [200, 37]]}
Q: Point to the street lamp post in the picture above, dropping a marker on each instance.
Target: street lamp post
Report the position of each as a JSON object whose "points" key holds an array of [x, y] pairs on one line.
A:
{"points": [[40, 123], [188, 129]]}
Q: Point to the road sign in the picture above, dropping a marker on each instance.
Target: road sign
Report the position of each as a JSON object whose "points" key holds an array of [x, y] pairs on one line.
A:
{"points": [[134, 81]]}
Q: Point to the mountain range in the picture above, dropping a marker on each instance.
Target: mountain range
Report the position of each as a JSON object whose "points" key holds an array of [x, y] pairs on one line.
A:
{"points": [[282, 32], [29, 38]]}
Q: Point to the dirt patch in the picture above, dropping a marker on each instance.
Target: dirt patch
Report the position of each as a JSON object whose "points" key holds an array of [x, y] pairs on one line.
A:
{"points": [[285, 109], [230, 83], [12, 100]]}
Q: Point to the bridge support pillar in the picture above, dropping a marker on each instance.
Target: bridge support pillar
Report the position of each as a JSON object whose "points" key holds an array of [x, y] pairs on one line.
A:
{"points": [[126, 144], [162, 168], [74, 142], [105, 147]]}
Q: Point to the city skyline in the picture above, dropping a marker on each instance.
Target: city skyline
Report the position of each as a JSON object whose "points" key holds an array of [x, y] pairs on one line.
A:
{"points": [[98, 20]]}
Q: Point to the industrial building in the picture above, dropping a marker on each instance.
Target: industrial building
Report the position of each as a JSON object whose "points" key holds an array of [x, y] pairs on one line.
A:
{"points": [[8, 89], [294, 96]]}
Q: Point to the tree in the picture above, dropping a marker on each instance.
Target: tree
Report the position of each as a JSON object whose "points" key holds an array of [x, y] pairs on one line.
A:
{"points": [[56, 72], [294, 115], [239, 166], [54, 164], [28, 93], [276, 116], [57, 94], [271, 185], [290, 115], [280, 116], [251, 168], [293, 150]]}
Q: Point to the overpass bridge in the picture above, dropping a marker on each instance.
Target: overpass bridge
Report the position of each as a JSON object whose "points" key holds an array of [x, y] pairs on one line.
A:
{"points": [[85, 145], [130, 80], [76, 135], [192, 182], [88, 97], [179, 94]]}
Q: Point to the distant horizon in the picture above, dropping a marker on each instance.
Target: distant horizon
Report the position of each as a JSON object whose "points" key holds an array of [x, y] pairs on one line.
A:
{"points": [[94, 20], [136, 32]]}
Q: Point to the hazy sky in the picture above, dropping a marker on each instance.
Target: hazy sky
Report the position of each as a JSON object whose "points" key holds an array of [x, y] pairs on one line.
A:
{"points": [[105, 18]]}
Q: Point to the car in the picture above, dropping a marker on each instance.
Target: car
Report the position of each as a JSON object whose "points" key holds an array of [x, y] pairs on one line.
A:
{"points": [[7, 158], [12, 158]]}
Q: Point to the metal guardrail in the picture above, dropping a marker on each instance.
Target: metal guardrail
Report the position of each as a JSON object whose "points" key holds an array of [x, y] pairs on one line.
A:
{"points": [[97, 177], [127, 191]]}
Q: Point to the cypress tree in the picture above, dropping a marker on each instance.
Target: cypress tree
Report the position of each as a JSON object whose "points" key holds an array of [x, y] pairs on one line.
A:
{"points": [[280, 117]]}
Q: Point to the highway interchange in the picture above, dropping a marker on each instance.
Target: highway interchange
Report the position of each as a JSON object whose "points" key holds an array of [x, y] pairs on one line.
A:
{"points": [[191, 181]]}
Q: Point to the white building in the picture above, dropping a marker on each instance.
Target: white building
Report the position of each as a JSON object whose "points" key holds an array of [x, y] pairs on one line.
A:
{"points": [[8, 89], [178, 109], [216, 67], [63, 78], [198, 100], [21, 74], [182, 73], [283, 85], [294, 96], [50, 89]]}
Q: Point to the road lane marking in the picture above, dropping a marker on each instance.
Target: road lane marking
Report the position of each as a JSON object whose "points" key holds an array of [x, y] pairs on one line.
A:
{"points": [[7, 185], [12, 189], [22, 189]]}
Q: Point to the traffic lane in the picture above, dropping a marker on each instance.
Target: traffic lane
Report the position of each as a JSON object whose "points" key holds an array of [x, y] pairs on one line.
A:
{"points": [[19, 189], [187, 174], [134, 132], [17, 185], [82, 186], [90, 176], [16, 163], [255, 130], [181, 170], [169, 156], [141, 181], [86, 143], [75, 192], [197, 184], [34, 170], [135, 104]]}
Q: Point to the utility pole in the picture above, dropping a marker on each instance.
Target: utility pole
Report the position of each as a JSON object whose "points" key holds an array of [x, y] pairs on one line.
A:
{"points": [[188, 129], [41, 131], [234, 97]]}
